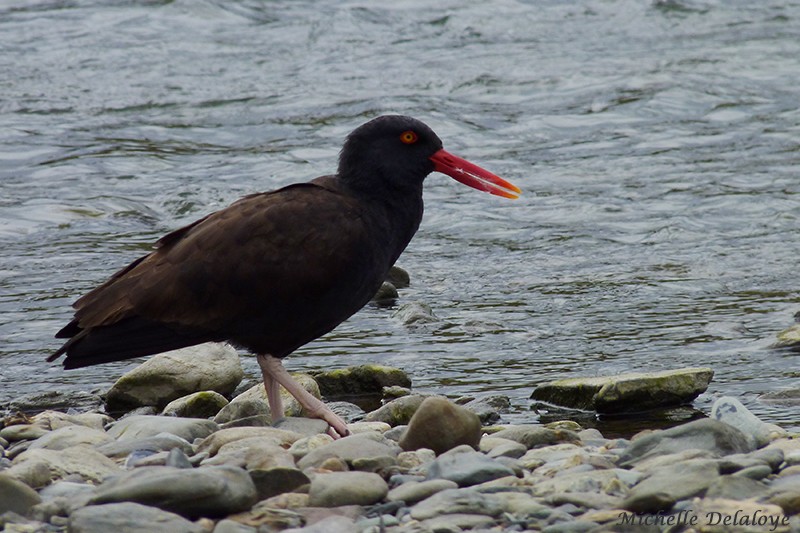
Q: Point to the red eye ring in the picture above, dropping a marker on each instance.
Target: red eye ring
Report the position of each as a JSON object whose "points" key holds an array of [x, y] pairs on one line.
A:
{"points": [[408, 137]]}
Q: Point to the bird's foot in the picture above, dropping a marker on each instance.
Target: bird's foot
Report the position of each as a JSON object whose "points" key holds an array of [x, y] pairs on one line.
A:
{"points": [[275, 374]]}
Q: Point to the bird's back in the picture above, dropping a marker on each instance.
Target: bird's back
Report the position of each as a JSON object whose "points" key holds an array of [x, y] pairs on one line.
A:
{"points": [[270, 273]]}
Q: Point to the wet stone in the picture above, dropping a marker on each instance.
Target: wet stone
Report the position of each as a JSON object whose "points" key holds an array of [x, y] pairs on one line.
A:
{"points": [[201, 404]]}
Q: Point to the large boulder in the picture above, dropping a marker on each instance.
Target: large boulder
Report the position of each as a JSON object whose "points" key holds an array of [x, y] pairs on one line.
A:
{"points": [[626, 393], [170, 375]]}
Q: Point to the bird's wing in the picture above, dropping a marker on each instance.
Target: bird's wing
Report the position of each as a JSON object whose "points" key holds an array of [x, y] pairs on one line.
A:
{"points": [[254, 253]]}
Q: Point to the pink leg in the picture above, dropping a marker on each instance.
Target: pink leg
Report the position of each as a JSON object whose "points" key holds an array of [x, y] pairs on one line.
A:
{"points": [[274, 374], [273, 396]]}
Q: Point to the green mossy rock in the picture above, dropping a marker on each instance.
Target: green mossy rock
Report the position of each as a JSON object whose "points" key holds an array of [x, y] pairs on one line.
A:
{"points": [[627, 393]]}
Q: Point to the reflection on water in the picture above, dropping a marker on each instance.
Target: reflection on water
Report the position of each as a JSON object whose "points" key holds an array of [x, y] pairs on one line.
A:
{"points": [[656, 144]]}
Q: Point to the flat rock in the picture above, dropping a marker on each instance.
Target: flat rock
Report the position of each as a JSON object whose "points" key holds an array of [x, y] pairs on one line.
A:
{"points": [[39, 467], [346, 488], [17, 496], [279, 437], [628, 392], [157, 443], [253, 401], [705, 434], [412, 492], [203, 404], [731, 411], [454, 501], [54, 400], [142, 426], [488, 408], [531, 436], [440, 425], [55, 420], [360, 380], [350, 448], [666, 485], [170, 375], [467, 467], [397, 412], [69, 436], [128, 517], [17, 432], [206, 491]]}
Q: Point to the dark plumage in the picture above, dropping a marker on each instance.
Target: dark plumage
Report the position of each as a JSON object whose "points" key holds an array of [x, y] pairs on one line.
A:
{"points": [[275, 270]]}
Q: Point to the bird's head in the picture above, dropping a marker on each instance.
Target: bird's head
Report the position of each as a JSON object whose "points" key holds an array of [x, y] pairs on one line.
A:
{"points": [[398, 152]]}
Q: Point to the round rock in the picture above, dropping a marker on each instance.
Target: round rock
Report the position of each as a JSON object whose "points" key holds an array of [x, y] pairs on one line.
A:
{"points": [[441, 425]]}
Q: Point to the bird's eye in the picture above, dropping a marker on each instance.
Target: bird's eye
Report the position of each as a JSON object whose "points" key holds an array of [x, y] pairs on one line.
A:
{"points": [[408, 137]]}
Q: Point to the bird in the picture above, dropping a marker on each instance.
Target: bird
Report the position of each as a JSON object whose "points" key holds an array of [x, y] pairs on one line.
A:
{"points": [[275, 270]]}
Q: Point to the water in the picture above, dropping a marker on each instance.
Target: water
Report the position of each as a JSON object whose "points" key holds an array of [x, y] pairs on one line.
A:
{"points": [[657, 144]]}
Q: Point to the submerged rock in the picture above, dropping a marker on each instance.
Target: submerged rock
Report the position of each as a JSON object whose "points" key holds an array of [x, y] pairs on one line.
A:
{"points": [[629, 392], [440, 425], [170, 375], [358, 380], [415, 313]]}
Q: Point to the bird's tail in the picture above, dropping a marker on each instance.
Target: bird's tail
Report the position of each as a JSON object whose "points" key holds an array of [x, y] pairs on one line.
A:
{"points": [[128, 338]]}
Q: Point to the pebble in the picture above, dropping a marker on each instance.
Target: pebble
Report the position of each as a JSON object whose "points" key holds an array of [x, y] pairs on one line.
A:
{"points": [[145, 472]]}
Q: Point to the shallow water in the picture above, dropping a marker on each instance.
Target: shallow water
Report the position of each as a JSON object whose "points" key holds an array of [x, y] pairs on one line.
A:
{"points": [[657, 144]]}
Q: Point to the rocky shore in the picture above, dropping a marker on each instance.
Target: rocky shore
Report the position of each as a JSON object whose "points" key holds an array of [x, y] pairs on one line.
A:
{"points": [[195, 451]]}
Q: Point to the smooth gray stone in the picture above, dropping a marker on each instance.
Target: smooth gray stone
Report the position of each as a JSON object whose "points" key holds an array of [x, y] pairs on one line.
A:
{"points": [[668, 484], [16, 497], [128, 517], [467, 467], [705, 434], [731, 411], [346, 488], [205, 491], [156, 443], [452, 501], [143, 426], [349, 448]]}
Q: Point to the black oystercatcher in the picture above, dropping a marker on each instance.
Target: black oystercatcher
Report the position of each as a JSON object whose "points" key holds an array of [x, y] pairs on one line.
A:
{"points": [[275, 270]]}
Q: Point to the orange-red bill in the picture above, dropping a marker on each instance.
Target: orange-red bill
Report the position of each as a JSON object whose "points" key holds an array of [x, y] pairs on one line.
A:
{"points": [[472, 175]]}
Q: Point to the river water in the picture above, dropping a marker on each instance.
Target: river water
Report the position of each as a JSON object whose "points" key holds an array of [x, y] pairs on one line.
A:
{"points": [[657, 144]]}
